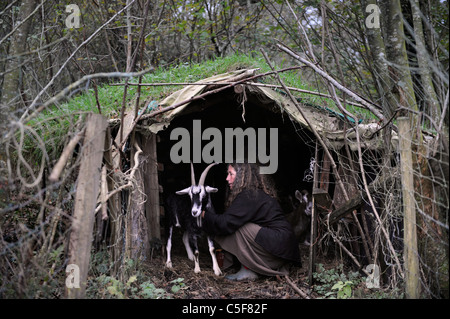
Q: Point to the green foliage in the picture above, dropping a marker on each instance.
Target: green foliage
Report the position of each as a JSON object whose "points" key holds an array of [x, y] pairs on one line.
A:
{"points": [[177, 285], [55, 255], [136, 287], [131, 283], [344, 289], [149, 291], [334, 282]]}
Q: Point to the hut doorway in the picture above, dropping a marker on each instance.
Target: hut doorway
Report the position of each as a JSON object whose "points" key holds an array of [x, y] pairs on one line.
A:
{"points": [[295, 149]]}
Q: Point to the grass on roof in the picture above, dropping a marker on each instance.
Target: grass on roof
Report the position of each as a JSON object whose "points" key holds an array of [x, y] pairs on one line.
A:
{"points": [[54, 124], [110, 97]]}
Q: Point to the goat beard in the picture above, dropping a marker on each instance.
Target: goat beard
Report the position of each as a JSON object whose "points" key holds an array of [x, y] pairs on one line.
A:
{"points": [[199, 221]]}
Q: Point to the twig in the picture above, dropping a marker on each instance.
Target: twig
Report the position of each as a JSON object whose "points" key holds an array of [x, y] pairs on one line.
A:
{"points": [[325, 148], [93, 35], [303, 32], [348, 253], [372, 204], [297, 289], [130, 178], [21, 160], [57, 169], [122, 111], [10, 57], [316, 134], [104, 194], [8, 6], [22, 22], [70, 87], [356, 97]]}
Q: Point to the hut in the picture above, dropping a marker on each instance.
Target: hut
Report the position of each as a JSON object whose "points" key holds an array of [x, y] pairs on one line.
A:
{"points": [[225, 102]]}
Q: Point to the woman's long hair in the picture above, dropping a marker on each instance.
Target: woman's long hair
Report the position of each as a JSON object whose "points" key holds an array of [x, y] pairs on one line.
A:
{"points": [[248, 177]]}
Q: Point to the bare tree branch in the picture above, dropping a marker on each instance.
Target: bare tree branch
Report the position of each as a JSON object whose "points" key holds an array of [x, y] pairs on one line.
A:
{"points": [[93, 35], [72, 86], [356, 97]]}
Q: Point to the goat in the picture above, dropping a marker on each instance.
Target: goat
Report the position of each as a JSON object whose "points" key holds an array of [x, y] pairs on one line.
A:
{"points": [[300, 217], [179, 216]]}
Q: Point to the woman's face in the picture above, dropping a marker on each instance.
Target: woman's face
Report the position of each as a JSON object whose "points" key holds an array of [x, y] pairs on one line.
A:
{"points": [[231, 175]]}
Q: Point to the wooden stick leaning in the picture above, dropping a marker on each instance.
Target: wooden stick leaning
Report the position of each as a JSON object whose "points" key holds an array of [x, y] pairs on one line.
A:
{"points": [[58, 168]]}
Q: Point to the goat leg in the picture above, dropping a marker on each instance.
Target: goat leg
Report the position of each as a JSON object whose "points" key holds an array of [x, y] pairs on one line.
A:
{"points": [[196, 262], [187, 245], [196, 254], [168, 248], [216, 267]]}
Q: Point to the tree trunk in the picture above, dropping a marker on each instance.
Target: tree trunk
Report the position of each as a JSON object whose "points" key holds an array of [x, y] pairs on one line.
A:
{"points": [[14, 77], [381, 65], [397, 56], [423, 58]]}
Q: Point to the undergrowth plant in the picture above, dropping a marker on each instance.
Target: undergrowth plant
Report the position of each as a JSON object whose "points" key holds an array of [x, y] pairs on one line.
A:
{"points": [[133, 283], [334, 282]]}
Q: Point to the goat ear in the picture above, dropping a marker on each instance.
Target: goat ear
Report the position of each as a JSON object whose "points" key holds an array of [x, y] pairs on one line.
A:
{"points": [[211, 189], [299, 196], [183, 191], [305, 195]]}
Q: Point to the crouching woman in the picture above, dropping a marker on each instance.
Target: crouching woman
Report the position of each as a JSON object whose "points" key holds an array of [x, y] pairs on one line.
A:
{"points": [[253, 228]]}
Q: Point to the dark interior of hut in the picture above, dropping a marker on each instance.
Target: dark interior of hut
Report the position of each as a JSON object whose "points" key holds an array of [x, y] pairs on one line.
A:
{"points": [[296, 146]]}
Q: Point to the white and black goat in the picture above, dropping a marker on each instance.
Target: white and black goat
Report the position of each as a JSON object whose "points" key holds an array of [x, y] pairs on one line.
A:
{"points": [[191, 220]]}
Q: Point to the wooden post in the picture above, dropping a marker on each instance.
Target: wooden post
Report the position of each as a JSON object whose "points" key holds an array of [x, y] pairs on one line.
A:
{"points": [[312, 247], [137, 241], [114, 203], [152, 206], [410, 252], [85, 201]]}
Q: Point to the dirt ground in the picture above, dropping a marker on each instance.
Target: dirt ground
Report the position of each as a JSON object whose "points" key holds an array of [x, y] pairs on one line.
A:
{"points": [[205, 285]]}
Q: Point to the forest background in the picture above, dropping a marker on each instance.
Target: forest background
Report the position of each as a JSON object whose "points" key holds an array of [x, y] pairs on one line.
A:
{"points": [[393, 53]]}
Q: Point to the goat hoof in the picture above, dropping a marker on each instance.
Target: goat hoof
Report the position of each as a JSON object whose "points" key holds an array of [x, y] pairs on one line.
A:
{"points": [[169, 264]]}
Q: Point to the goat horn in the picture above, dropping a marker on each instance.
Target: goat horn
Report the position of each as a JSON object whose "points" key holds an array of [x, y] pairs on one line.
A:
{"points": [[192, 175], [201, 182]]}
